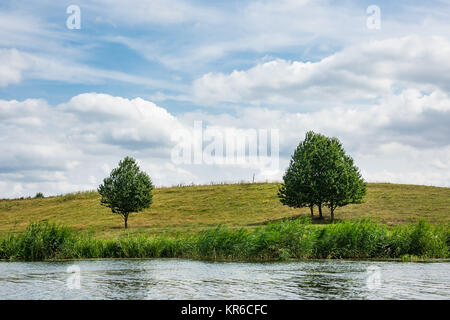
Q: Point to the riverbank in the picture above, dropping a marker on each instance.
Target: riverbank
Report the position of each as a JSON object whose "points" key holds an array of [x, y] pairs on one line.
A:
{"points": [[285, 240], [188, 210]]}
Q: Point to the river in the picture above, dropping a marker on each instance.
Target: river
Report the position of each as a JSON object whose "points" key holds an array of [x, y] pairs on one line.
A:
{"points": [[186, 279]]}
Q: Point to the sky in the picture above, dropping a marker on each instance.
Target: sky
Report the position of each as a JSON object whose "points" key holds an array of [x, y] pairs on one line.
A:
{"points": [[133, 76]]}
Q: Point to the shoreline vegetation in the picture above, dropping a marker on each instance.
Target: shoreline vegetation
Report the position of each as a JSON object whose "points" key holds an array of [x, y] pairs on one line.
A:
{"points": [[280, 241]]}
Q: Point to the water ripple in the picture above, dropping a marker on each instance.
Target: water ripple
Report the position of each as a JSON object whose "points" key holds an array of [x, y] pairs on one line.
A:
{"points": [[185, 279]]}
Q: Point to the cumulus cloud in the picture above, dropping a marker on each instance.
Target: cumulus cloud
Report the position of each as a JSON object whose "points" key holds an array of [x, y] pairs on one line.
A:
{"points": [[361, 72], [45, 146], [299, 66], [402, 138], [73, 145], [132, 124]]}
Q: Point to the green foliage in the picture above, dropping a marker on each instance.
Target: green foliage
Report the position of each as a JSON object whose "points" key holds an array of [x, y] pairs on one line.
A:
{"points": [[39, 195], [39, 241], [289, 239], [320, 173], [297, 189], [189, 210], [283, 240], [127, 189], [422, 239], [357, 239], [223, 243]]}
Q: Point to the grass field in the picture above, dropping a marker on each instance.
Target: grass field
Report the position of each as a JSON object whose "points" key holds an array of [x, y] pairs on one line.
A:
{"points": [[188, 210]]}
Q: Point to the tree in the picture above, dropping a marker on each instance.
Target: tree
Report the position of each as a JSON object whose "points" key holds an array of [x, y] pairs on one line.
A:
{"points": [[320, 173], [127, 189]]}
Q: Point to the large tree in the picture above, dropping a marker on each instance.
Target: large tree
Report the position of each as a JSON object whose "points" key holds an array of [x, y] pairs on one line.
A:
{"points": [[127, 189], [320, 173]]}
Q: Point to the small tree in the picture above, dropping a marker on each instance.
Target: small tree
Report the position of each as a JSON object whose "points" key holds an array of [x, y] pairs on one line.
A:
{"points": [[320, 173], [127, 189]]}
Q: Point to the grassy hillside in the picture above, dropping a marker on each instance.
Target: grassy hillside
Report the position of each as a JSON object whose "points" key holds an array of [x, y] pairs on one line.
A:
{"points": [[186, 210]]}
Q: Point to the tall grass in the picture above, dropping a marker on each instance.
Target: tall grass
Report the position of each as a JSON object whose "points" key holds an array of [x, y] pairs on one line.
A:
{"points": [[296, 239], [281, 240], [40, 241], [422, 239], [360, 239]]}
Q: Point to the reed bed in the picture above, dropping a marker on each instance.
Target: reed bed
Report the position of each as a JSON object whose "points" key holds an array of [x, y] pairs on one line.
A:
{"points": [[283, 240]]}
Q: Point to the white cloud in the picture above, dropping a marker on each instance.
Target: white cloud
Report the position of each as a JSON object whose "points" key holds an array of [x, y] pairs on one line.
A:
{"points": [[134, 124], [151, 12], [385, 94], [402, 138], [361, 72], [72, 146], [12, 66], [26, 30], [216, 32], [299, 28], [16, 66]]}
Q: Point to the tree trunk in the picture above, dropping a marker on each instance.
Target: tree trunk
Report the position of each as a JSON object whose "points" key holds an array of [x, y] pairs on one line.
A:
{"points": [[312, 210], [332, 214], [125, 218], [320, 211]]}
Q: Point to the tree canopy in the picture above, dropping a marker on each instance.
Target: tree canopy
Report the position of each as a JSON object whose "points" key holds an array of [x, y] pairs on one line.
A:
{"points": [[321, 174]]}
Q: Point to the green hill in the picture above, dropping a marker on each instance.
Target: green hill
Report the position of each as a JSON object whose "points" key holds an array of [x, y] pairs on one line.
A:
{"points": [[186, 210]]}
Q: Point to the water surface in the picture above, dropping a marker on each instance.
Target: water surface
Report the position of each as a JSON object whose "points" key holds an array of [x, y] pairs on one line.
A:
{"points": [[186, 279]]}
